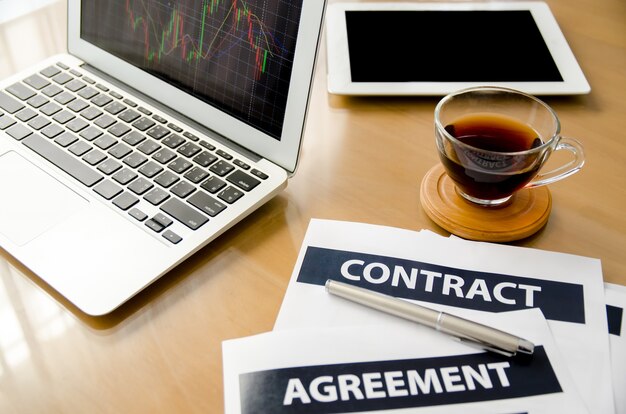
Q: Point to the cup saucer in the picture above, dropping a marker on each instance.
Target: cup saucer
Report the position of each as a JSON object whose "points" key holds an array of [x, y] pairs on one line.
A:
{"points": [[526, 213]]}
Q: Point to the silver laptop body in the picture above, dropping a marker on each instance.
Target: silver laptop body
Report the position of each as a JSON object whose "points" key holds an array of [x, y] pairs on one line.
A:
{"points": [[164, 125]]}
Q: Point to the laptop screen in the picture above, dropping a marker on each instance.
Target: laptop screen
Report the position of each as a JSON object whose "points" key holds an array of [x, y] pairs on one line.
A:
{"points": [[232, 54]]}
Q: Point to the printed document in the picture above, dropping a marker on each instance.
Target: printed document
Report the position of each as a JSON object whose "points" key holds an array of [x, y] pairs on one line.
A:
{"points": [[615, 305], [460, 277], [393, 368]]}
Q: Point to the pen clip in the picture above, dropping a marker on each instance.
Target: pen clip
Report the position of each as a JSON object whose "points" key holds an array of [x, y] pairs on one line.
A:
{"points": [[475, 343]]}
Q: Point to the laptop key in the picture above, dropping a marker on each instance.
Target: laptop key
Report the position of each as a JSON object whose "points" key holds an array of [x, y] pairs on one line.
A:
{"points": [[259, 174], [129, 115], [205, 158], [120, 150], [206, 203], [196, 174], [114, 108], [64, 98], [148, 147], [153, 225], [75, 85], [91, 113], [143, 123], [38, 122], [26, 115], [109, 166], [50, 108], [62, 78], [119, 129], [137, 214], [36, 81], [62, 159], [182, 189], [213, 184], [78, 105], [241, 164], [105, 121], [164, 155], [156, 196], [243, 180], [52, 130], [140, 186], [65, 139], [105, 141], [129, 102], [90, 133], [133, 138], [158, 132], [19, 131], [124, 176], [76, 125], [188, 149], [51, 90], [224, 154], [162, 219], [88, 92], [94, 157], [63, 116], [184, 213], [166, 179], [135, 159], [37, 101], [150, 169], [101, 100], [179, 165], [21, 91], [173, 140], [9, 104], [171, 236], [230, 194], [79, 148], [107, 189], [221, 168], [50, 71], [6, 121]]}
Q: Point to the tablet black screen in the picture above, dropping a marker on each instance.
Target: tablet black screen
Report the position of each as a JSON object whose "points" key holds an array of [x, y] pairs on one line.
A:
{"points": [[447, 46]]}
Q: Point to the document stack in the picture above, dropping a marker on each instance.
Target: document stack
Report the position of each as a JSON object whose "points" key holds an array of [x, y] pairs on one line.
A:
{"points": [[330, 355]]}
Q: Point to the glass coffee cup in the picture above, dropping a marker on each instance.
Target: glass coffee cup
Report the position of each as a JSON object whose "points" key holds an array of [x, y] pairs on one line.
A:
{"points": [[494, 141]]}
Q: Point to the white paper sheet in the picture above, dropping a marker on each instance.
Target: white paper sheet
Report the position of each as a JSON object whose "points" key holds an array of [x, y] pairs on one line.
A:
{"points": [[370, 369], [457, 276], [616, 310]]}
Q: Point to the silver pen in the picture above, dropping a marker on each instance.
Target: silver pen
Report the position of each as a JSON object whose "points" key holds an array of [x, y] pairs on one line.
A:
{"points": [[465, 330]]}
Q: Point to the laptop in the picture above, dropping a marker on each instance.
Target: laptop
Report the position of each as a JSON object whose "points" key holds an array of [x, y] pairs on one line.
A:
{"points": [[164, 125]]}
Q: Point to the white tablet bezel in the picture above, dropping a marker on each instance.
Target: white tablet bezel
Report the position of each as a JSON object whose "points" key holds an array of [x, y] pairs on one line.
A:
{"points": [[339, 79], [283, 152]]}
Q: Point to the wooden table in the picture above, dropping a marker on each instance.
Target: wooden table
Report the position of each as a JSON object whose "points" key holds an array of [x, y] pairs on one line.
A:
{"points": [[363, 160]]}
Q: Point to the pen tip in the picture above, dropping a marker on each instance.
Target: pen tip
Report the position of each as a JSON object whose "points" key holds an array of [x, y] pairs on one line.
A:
{"points": [[526, 347]]}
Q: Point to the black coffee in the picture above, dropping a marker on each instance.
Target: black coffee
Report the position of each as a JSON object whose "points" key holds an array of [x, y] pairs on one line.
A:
{"points": [[487, 170]]}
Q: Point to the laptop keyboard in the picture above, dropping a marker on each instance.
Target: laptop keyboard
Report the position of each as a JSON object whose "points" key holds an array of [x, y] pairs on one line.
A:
{"points": [[126, 153]]}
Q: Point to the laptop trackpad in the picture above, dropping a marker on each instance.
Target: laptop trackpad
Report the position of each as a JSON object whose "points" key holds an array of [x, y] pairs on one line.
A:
{"points": [[31, 201]]}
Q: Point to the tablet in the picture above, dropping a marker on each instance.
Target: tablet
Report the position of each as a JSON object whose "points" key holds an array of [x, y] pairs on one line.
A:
{"points": [[437, 48]]}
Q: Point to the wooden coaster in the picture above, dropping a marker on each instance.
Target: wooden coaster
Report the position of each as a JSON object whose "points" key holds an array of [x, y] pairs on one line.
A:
{"points": [[526, 213]]}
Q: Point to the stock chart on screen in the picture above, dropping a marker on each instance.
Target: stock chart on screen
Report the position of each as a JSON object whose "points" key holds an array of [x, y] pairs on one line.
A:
{"points": [[235, 55]]}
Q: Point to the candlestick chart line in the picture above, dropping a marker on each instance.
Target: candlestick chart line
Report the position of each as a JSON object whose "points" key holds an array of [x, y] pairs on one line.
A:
{"points": [[224, 25]]}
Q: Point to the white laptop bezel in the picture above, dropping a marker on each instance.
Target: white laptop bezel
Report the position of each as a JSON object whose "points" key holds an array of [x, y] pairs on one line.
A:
{"points": [[283, 152], [340, 82]]}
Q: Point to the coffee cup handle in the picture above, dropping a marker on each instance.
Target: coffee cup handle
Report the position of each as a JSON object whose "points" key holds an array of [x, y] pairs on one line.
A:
{"points": [[573, 166]]}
